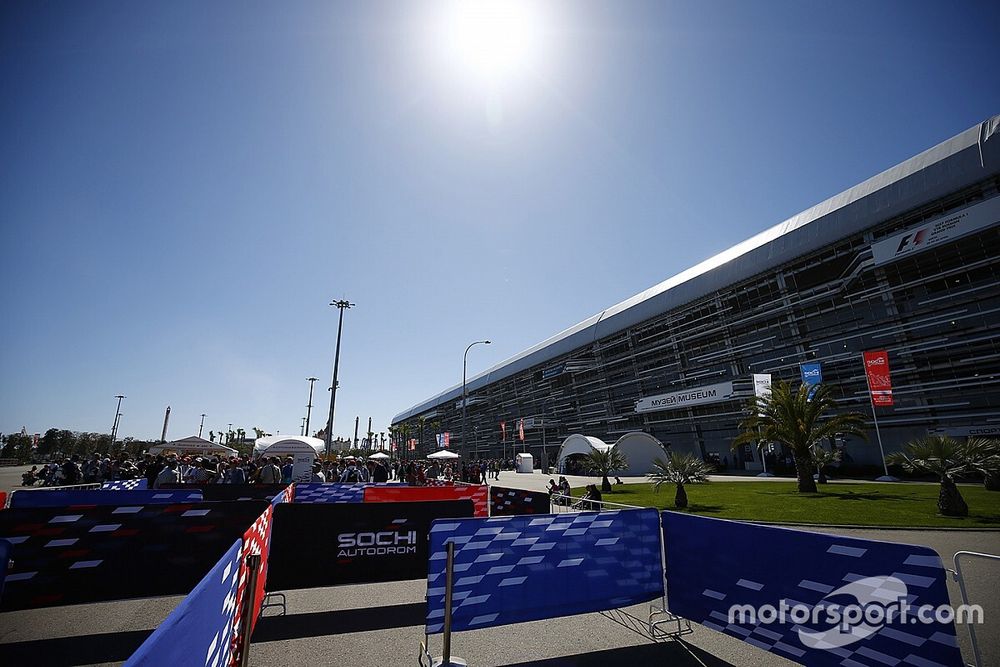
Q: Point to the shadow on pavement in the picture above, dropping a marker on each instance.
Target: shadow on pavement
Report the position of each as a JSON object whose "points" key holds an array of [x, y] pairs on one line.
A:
{"points": [[675, 653], [80, 650], [340, 622]]}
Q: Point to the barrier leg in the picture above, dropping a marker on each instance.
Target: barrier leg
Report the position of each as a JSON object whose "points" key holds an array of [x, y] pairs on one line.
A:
{"points": [[446, 659], [246, 618]]}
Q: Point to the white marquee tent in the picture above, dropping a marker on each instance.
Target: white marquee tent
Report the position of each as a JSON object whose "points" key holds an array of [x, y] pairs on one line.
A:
{"points": [[283, 445], [192, 445]]}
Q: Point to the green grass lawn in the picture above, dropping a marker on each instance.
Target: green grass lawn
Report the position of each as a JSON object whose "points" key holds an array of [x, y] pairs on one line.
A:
{"points": [[854, 504]]}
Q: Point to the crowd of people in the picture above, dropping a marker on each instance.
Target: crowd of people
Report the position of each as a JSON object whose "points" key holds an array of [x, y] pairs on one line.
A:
{"points": [[161, 470]]}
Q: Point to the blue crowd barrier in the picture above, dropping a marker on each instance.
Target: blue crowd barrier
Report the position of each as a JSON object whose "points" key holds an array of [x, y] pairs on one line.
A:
{"points": [[806, 577], [201, 629], [23, 499], [526, 568]]}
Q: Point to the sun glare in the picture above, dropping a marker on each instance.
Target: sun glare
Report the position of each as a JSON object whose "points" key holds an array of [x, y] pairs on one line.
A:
{"points": [[493, 41]]}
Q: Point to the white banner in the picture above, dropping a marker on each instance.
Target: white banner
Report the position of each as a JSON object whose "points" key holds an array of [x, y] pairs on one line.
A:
{"points": [[715, 393], [940, 230], [302, 466], [761, 385]]}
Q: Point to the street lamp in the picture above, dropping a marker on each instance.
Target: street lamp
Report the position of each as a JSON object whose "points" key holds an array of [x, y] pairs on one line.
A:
{"points": [[465, 363], [309, 405], [342, 305], [118, 413], [202, 425]]}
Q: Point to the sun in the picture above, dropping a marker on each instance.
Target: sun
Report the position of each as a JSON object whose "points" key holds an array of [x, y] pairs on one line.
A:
{"points": [[491, 41]]}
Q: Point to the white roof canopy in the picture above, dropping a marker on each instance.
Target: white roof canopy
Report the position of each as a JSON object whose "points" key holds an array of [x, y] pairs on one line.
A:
{"points": [[275, 445], [443, 454], [192, 445]]}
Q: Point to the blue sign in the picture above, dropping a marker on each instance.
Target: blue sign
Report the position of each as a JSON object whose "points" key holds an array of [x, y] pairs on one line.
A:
{"points": [[524, 568], [201, 627], [796, 594]]}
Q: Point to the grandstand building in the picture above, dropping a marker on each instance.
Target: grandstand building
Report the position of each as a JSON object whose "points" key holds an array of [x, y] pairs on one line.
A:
{"points": [[907, 261]]}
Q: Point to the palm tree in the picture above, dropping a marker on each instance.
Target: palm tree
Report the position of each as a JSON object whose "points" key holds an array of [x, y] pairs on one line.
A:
{"points": [[798, 422], [679, 469], [987, 461], [823, 459], [603, 463], [945, 458]]}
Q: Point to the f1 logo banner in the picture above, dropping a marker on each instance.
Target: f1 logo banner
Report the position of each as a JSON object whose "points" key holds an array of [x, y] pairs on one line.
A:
{"points": [[203, 624], [319, 544], [477, 493], [126, 485], [516, 569], [509, 502], [75, 555], [877, 372], [98, 497], [814, 598], [329, 493], [812, 375]]}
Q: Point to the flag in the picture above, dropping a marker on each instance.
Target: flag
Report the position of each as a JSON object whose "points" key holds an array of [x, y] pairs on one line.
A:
{"points": [[520, 429], [761, 386], [413, 444], [446, 438], [812, 375], [503, 430], [879, 381]]}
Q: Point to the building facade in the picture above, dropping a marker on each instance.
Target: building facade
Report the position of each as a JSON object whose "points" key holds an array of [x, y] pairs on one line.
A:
{"points": [[907, 261]]}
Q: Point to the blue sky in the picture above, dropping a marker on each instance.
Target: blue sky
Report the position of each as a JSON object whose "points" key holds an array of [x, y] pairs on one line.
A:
{"points": [[185, 186]]}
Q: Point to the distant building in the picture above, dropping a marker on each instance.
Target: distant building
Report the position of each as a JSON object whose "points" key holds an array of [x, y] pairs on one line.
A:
{"points": [[907, 261]]}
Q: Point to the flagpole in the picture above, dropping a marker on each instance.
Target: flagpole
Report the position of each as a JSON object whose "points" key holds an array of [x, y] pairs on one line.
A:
{"points": [[878, 434]]}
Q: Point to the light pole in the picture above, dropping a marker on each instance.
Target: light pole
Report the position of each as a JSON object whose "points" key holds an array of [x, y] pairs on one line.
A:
{"points": [[118, 413], [465, 363], [202, 425], [309, 405], [342, 305], [303, 426]]}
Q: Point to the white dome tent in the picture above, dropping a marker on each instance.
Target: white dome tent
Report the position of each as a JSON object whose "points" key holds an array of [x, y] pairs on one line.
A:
{"points": [[283, 445], [640, 450], [577, 444]]}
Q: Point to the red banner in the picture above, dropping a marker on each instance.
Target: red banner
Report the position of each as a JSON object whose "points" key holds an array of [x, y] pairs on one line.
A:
{"points": [[520, 429], [503, 430], [478, 494], [877, 372]]}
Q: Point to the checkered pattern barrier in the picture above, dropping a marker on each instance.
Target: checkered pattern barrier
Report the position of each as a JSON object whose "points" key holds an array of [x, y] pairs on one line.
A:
{"points": [[329, 493], [713, 564], [515, 569], [73, 555], [98, 497], [201, 629], [479, 495], [226, 492], [508, 502], [126, 485]]}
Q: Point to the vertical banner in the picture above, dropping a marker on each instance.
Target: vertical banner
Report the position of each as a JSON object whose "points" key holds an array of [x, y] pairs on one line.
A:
{"points": [[812, 375], [446, 438], [520, 429], [877, 372], [840, 601], [503, 431], [526, 568], [761, 385]]}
